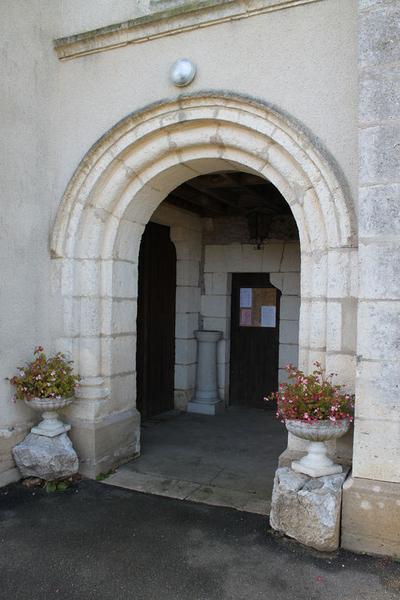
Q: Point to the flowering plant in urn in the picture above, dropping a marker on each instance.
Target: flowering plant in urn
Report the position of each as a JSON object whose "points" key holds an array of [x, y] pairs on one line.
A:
{"points": [[314, 408], [47, 385]]}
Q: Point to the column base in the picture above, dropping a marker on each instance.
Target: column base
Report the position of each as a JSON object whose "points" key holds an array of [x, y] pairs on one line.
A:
{"points": [[316, 471], [106, 443], [203, 408], [371, 517]]}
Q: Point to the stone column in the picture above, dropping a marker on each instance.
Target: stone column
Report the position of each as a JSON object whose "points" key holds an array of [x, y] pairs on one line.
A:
{"points": [[371, 498], [206, 400]]}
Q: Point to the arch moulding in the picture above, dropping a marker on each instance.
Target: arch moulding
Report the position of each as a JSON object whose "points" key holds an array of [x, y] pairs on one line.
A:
{"points": [[111, 197]]}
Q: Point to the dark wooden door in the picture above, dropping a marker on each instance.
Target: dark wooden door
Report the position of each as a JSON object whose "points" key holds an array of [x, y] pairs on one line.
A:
{"points": [[254, 339], [155, 354]]}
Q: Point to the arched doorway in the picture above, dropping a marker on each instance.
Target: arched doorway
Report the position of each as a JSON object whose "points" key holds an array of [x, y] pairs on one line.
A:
{"points": [[113, 194]]}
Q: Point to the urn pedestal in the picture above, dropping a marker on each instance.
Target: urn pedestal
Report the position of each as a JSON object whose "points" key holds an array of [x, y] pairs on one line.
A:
{"points": [[206, 400], [316, 463], [51, 425]]}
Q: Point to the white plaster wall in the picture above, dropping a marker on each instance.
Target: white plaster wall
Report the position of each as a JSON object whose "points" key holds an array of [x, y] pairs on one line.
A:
{"points": [[282, 57], [282, 261], [302, 59]]}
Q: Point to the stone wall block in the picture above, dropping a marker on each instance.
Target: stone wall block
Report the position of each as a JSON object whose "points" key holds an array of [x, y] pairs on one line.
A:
{"points": [[345, 367], [124, 313], [378, 385], [128, 239], [185, 351], [371, 517], [252, 259], [186, 324], [217, 283], [233, 254], [334, 326], [277, 280], [185, 377], [378, 330], [89, 316], [187, 273], [222, 374], [187, 299], [376, 448], [380, 269], [218, 324], [214, 259], [376, 83], [123, 391], [379, 210], [291, 258], [125, 279], [290, 307], [317, 326], [380, 153], [342, 273], [223, 351], [291, 284], [272, 255], [215, 306], [189, 249], [289, 332], [379, 35], [288, 354], [123, 354]]}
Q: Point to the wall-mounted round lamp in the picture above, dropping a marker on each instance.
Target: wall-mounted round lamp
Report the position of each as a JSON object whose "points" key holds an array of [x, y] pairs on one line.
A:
{"points": [[182, 72]]}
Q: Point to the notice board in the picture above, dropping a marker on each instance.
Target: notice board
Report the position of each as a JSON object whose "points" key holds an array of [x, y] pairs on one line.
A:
{"points": [[257, 307]]}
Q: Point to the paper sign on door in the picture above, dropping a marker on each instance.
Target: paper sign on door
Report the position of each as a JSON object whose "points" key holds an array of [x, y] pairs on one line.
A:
{"points": [[245, 317], [246, 297], [268, 316]]}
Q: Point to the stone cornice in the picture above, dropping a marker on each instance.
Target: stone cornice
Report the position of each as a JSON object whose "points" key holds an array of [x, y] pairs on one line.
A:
{"points": [[192, 15]]}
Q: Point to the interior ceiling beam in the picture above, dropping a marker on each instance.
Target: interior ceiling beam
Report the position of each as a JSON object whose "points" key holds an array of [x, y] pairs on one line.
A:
{"points": [[196, 185], [198, 200]]}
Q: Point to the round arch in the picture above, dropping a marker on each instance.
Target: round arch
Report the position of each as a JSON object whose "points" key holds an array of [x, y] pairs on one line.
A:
{"points": [[130, 171]]}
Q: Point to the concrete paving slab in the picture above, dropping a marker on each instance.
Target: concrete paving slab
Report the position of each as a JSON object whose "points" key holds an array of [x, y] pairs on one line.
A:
{"points": [[142, 482], [228, 459], [219, 496]]}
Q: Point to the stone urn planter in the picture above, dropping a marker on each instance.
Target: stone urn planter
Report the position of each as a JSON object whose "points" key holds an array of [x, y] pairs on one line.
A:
{"points": [[316, 462], [51, 425]]}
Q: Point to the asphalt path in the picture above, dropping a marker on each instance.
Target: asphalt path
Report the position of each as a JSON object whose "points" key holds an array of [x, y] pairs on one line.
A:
{"points": [[98, 541]]}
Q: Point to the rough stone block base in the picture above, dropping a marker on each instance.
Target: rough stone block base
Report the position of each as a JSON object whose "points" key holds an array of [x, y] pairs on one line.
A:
{"points": [[371, 517], [307, 509], [45, 457], [107, 443]]}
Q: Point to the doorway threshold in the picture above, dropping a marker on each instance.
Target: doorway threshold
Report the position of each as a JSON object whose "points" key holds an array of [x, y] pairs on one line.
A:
{"points": [[150, 483]]}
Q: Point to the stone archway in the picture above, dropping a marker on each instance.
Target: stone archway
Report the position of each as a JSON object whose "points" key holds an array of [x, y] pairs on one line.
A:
{"points": [[115, 190]]}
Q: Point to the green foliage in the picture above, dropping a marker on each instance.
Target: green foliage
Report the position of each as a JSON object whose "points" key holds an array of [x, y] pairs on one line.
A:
{"points": [[102, 476], [57, 486], [45, 377]]}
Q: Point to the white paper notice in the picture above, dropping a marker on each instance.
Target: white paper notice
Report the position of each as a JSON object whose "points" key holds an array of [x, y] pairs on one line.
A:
{"points": [[268, 316], [246, 297]]}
